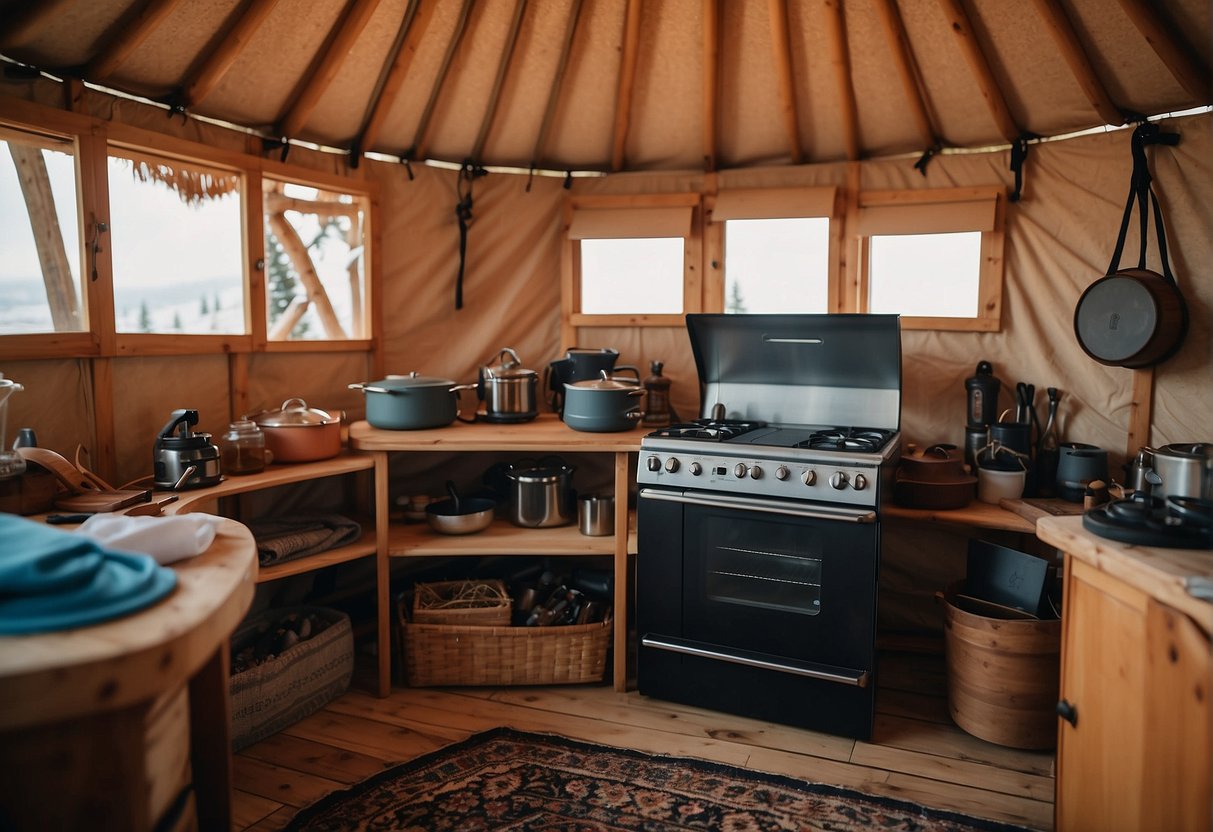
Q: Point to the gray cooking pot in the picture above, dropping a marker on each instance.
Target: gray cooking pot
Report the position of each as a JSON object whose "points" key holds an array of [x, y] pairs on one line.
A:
{"points": [[541, 495], [1186, 470], [412, 402], [603, 405]]}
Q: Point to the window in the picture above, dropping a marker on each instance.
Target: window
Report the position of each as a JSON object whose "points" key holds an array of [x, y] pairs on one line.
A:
{"points": [[776, 246], [631, 260], [934, 257]]}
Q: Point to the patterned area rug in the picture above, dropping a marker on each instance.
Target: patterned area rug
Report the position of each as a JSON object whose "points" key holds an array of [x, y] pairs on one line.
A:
{"points": [[509, 780]]}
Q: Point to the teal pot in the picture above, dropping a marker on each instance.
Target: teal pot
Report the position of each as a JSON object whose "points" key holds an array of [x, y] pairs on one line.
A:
{"points": [[603, 405], [412, 402]]}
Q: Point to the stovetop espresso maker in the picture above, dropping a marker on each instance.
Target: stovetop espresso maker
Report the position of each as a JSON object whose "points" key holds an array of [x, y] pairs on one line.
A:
{"points": [[182, 458]]}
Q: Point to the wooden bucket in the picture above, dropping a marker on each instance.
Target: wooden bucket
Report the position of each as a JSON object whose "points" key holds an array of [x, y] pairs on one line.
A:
{"points": [[1002, 676]]}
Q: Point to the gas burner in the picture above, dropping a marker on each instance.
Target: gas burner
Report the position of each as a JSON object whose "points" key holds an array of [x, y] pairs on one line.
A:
{"points": [[716, 430], [847, 439], [1177, 522]]}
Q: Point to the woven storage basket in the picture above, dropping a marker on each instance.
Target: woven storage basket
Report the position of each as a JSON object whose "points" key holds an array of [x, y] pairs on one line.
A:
{"points": [[295, 683], [443, 654], [469, 603]]}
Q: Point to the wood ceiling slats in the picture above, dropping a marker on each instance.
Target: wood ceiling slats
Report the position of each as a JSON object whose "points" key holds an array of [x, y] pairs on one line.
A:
{"points": [[557, 82], [841, 61], [125, 36], [24, 24], [1058, 23], [627, 79], [711, 80], [1191, 75], [503, 67], [907, 70], [416, 20], [419, 146], [782, 45], [958, 20], [227, 48], [330, 64]]}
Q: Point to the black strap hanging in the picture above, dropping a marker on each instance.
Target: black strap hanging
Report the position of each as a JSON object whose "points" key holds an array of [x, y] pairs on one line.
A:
{"points": [[925, 159], [1140, 189], [1019, 154], [463, 212]]}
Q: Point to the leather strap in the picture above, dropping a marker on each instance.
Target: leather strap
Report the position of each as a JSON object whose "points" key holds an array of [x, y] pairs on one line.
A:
{"points": [[1141, 190]]}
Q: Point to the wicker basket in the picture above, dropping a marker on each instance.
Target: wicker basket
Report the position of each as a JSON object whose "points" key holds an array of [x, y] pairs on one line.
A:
{"points": [[444, 654], [466, 603]]}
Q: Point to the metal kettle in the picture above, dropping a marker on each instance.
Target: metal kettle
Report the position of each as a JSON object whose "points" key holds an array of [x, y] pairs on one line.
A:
{"points": [[182, 458]]}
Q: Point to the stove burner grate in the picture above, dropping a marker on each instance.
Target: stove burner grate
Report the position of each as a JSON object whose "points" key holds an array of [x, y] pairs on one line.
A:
{"points": [[847, 439], [1176, 522], [710, 429]]}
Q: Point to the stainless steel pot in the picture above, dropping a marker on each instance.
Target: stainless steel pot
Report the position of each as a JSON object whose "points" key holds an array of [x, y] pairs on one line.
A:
{"points": [[1186, 470], [508, 390], [603, 405], [541, 495], [412, 402]]}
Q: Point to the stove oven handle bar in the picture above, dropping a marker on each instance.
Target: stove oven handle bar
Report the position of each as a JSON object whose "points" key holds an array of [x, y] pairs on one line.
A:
{"points": [[824, 672], [765, 506]]}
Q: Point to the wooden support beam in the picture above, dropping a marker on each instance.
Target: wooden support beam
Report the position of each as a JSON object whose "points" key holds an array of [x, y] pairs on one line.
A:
{"points": [[907, 70], [840, 58], [781, 42], [1141, 411], [627, 80], [503, 67], [318, 82], [126, 36], [24, 25], [419, 148], [1188, 70], [711, 80], [290, 316], [958, 21], [228, 47], [408, 39], [549, 112], [302, 261], [276, 202], [1062, 30]]}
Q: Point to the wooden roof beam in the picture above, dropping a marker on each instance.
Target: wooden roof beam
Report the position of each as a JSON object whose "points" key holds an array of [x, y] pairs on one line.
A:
{"points": [[23, 25], [907, 70], [503, 67], [125, 36], [416, 20], [1188, 70], [1062, 29], [627, 80], [419, 148], [557, 81], [781, 42], [840, 58], [711, 80], [220, 59], [959, 22], [318, 82]]}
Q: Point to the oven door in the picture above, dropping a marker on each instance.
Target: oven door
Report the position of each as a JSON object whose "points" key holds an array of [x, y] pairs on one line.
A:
{"points": [[760, 607]]}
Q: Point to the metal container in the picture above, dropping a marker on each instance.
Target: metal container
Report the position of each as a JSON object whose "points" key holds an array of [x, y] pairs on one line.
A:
{"points": [[596, 515], [298, 433], [412, 402], [1186, 470], [541, 494], [603, 405], [508, 390]]}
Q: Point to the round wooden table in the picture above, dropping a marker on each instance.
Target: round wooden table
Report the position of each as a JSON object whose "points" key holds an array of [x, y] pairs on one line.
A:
{"points": [[106, 727]]}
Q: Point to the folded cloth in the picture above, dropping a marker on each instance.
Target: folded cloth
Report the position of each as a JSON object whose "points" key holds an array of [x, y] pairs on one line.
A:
{"points": [[51, 579], [167, 539], [286, 538]]}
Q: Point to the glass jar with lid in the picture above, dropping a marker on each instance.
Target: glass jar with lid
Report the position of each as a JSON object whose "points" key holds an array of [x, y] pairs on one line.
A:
{"points": [[242, 448]]}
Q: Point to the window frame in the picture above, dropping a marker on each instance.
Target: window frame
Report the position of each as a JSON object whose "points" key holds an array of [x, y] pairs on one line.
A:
{"points": [[908, 203]]}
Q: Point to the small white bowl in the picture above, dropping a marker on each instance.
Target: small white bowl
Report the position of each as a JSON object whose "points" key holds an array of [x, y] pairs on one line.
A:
{"points": [[994, 485]]}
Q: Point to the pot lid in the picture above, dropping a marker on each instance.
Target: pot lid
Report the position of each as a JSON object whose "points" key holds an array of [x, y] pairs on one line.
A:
{"points": [[605, 382], [294, 412], [1187, 450], [412, 381]]}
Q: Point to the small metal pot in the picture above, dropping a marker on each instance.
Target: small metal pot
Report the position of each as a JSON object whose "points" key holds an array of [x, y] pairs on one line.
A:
{"points": [[1186, 470], [603, 405], [298, 433], [412, 402], [460, 515], [541, 493], [508, 390]]}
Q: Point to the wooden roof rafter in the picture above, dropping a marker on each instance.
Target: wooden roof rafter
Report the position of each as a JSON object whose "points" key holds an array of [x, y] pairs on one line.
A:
{"points": [[419, 146], [335, 54], [781, 43], [503, 67], [627, 80], [840, 58], [907, 70], [216, 63], [549, 112], [962, 27], [711, 80], [124, 37], [1196, 79], [1062, 30]]}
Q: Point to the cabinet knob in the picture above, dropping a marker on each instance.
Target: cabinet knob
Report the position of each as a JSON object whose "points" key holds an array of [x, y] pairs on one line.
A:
{"points": [[1068, 712]]}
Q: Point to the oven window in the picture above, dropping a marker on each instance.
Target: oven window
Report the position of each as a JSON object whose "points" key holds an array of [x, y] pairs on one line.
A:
{"points": [[774, 578]]}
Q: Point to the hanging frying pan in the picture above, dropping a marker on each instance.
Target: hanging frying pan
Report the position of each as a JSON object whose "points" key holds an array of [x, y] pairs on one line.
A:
{"points": [[1135, 317]]}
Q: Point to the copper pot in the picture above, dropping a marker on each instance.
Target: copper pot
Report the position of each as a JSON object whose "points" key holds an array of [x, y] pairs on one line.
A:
{"points": [[298, 433]]}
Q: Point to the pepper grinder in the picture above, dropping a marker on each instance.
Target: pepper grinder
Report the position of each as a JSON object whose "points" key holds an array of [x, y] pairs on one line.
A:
{"points": [[657, 409]]}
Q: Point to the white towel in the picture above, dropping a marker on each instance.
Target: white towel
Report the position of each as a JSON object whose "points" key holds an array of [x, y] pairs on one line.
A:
{"points": [[167, 539]]}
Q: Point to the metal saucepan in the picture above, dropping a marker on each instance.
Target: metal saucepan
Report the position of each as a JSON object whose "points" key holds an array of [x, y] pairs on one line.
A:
{"points": [[412, 402], [603, 405], [508, 389], [460, 515], [298, 433]]}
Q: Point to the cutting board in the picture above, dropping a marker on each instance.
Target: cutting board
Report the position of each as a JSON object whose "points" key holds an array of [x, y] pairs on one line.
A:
{"points": [[92, 502], [1034, 508]]}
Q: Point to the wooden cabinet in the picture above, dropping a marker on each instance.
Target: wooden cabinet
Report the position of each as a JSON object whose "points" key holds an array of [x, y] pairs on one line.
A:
{"points": [[1134, 744], [546, 434]]}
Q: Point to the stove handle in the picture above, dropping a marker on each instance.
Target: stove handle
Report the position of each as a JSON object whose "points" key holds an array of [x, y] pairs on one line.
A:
{"points": [[763, 506], [824, 672]]}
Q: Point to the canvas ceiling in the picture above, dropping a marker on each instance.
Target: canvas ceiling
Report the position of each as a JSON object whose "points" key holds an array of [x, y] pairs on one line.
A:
{"points": [[640, 96]]}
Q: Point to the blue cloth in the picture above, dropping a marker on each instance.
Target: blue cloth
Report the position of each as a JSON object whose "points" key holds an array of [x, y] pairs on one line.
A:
{"points": [[51, 579]]}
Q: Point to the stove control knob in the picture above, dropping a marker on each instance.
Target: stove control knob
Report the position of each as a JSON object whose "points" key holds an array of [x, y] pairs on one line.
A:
{"points": [[755, 473], [739, 470], [860, 482], [671, 464], [654, 463], [809, 477], [695, 468], [838, 480], [782, 472]]}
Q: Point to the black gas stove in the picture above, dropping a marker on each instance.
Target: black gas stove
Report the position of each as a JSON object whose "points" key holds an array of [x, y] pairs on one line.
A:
{"points": [[1171, 523]]}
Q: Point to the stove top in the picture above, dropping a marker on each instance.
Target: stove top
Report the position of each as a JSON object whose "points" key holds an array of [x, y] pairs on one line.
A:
{"points": [[832, 438], [1174, 523], [713, 430]]}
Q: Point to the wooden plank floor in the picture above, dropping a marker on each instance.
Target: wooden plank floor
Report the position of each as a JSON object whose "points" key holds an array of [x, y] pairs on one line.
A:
{"points": [[916, 752]]}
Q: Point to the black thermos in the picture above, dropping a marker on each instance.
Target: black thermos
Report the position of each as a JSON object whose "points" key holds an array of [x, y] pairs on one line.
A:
{"points": [[982, 388]]}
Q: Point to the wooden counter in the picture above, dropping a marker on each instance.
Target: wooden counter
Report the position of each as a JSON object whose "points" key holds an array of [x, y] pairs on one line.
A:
{"points": [[976, 514], [545, 433], [102, 726]]}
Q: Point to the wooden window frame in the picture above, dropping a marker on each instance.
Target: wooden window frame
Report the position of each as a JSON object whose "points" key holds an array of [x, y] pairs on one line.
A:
{"points": [[990, 279]]}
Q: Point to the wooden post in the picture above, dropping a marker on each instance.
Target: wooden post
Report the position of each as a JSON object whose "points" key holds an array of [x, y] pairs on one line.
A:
{"points": [[782, 44], [1141, 411], [627, 79]]}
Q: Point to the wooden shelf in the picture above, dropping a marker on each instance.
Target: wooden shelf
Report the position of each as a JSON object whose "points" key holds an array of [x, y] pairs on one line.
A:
{"points": [[977, 514], [546, 433], [360, 548], [274, 475], [501, 538]]}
